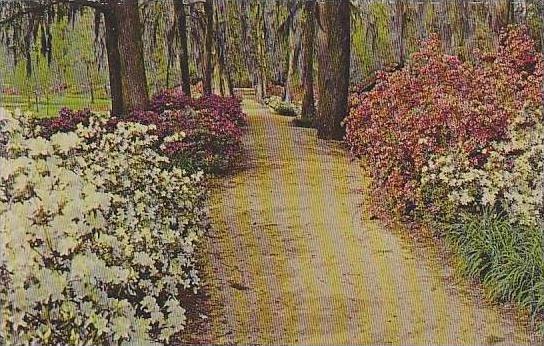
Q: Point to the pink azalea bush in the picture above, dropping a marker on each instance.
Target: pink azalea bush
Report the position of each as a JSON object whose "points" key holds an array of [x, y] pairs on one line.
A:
{"points": [[436, 103], [458, 146]]}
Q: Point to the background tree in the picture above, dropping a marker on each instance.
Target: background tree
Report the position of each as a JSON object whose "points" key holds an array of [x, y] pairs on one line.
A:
{"points": [[124, 45], [292, 27], [208, 49], [181, 22], [133, 77], [308, 51], [334, 62]]}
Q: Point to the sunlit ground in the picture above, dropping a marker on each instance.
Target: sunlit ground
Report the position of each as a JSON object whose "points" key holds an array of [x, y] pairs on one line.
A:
{"points": [[51, 107]]}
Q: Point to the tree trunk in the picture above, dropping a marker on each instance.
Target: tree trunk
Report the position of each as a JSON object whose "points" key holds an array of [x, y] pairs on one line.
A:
{"points": [[133, 78], [179, 9], [222, 47], [334, 61], [208, 69], [90, 81], [114, 63], [400, 29], [308, 102], [261, 53], [445, 26], [294, 46]]}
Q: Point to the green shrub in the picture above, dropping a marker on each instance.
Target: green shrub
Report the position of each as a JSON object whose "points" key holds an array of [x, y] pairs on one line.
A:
{"points": [[97, 237], [282, 107]]}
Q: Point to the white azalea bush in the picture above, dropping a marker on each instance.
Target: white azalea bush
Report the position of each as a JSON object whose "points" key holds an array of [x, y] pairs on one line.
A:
{"points": [[511, 181], [492, 213], [98, 234]]}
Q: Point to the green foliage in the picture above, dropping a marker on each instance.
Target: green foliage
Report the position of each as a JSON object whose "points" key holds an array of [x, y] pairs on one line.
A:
{"points": [[283, 107], [507, 257], [77, 67], [372, 41], [98, 234]]}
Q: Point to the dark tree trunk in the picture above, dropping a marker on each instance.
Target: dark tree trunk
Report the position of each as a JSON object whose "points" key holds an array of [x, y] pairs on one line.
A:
{"points": [[133, 78], [261, 78], [184, 56], [400, 29], [445, 26], [308, 48], [222, 48], [114, 63], [208, 69], [292, 61], [334, 61]]}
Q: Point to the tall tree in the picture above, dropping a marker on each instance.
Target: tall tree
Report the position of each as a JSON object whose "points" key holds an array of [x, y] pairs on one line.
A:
{"points": [[226, 85], [334, 62], [208, 63], [181, 21], [133, 77], [293, 38], [400, 29], [308, 50], [114, 62], [123, 40]]}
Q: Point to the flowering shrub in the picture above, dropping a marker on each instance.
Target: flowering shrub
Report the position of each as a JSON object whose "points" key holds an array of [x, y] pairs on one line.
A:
{"points": [[222, 107], [67, 120], [174, 99], [197, 139], [97, 234], [208, 129], [511, 181], [4, 135], [436, 103], [277, 90], [493, 215]]}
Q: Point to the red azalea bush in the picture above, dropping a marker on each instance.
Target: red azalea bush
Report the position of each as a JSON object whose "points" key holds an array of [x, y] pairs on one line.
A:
{"points": [[212, 128], [211, 140], [66, 121], [436, 103], [175, 99]]}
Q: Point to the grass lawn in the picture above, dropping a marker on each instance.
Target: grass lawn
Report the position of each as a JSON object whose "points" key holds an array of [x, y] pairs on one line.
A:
{"points": [[45, 109]]}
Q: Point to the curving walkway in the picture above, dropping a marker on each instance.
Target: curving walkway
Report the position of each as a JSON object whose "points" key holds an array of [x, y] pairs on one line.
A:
{"points": [[293, 259]]}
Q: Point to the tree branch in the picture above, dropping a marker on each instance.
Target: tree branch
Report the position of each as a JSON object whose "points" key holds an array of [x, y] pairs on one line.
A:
{"points": [[40, 8]]}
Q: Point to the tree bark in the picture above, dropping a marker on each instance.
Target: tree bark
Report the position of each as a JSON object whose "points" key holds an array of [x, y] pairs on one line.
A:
{"points": [[114, 63], [261, 78], [400, 29], [208, 69], [133, 77], [294, 47], [334, 62], [179, 9], [308, 102]]}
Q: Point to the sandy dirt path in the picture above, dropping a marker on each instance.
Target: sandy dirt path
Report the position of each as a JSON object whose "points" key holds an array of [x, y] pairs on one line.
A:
{"points": [[293, 259]]}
